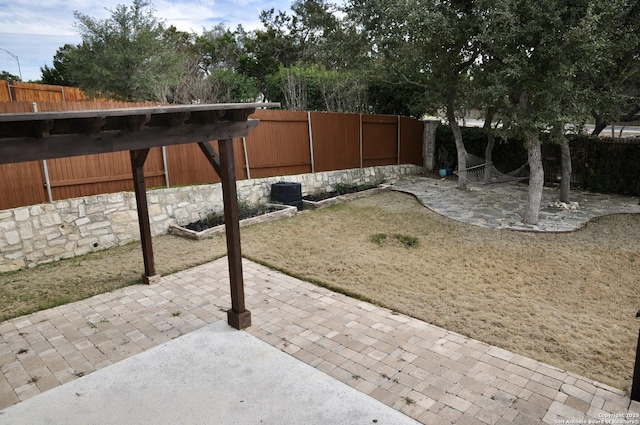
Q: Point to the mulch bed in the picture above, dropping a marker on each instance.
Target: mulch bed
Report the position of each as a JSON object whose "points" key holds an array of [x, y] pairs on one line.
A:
{"points": [[217, 219], [338, 191]]}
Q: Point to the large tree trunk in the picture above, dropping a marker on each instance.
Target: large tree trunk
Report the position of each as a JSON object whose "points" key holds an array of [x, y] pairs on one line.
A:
{"points": [[462, 152], [491, 142], [565, 181], [600, 125], [536, 179]]}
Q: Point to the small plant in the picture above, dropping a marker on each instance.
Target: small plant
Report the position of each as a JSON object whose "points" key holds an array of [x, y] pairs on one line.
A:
{"points": [[407, 241], [378, 238], [176, 313], [408, 400], [356, 377], [245, 210]]}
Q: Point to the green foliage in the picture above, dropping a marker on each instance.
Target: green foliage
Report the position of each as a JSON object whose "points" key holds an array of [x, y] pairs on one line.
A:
{"points": [[599, 164], [4, 75], [405, 240], [610, 165], [378, 238], [508, 154], [59, 74], [245, 210], [229, 86], [314, 88], [124, 56]]}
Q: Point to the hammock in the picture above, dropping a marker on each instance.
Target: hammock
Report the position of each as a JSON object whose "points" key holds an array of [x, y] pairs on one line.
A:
{"points": [[481, 172]]}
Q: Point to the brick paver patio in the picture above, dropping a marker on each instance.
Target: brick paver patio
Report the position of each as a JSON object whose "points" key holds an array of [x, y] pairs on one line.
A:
{"points": [[428, 373]]}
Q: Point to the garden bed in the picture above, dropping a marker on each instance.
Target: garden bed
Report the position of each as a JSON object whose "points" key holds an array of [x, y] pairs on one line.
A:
{"points": [[214, 223], [341, 194]]}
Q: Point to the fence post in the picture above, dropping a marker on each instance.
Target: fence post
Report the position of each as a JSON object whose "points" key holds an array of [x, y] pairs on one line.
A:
{"points": [[398, 139], [635, 386], [313, 165], [361, 141], [165, 168], [246, 157], [45, 168]]}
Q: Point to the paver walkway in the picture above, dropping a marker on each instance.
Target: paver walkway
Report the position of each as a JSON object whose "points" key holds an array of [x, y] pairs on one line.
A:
{"points": [[426, 372], [502, 206]]}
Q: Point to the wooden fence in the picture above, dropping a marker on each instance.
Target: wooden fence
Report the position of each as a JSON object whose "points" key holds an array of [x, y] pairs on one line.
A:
{"points": [[15, 91], [285, 143]]}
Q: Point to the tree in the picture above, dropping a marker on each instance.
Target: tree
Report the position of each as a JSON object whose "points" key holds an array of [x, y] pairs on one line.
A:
{"points": [[58, 74], [429, 44], [614, 78], [5, 75], [313, 88], [124, 56], [539, 48]]}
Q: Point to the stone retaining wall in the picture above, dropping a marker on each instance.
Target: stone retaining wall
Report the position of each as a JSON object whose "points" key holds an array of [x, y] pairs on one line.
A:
{"points": [[49, 232]]}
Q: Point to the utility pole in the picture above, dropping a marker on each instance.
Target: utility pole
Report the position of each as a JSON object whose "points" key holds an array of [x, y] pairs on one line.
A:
{"points": [[17, 60]]}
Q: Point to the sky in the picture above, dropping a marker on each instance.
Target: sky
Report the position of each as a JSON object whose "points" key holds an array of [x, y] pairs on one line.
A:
{"points": [[33, 30]]}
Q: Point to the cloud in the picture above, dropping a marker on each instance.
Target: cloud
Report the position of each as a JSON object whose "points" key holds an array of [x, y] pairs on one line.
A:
{"points": [[34, 30]]}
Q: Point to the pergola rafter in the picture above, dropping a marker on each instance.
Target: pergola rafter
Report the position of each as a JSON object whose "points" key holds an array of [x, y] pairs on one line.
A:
{"points": [[48, 135]]}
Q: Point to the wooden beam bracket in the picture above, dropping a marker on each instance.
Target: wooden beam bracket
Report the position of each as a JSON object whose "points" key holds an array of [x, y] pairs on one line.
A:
{"points": [[212, 156], [42, 128], [137, 122], [178, 119], [238, 114], [94, 125]]}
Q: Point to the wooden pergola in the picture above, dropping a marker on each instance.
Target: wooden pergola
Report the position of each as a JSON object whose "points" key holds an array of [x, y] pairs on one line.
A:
{"points": [[48, 135]]}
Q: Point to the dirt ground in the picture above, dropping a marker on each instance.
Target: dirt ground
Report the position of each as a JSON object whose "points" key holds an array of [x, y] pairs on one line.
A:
{"points": [[566, 299]]}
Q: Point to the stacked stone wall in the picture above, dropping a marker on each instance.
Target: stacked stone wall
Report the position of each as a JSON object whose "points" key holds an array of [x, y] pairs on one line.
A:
{"points": [[44, 233]]}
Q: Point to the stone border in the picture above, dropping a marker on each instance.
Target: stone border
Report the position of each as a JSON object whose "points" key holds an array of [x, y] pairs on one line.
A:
{"points": [[314, 205], [43, 233], [284, 211]]}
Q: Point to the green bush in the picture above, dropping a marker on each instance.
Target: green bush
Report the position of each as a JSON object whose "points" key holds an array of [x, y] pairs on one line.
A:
{"points": [[599, 164]]}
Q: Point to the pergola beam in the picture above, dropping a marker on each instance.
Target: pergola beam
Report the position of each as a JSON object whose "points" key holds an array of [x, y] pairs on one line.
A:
{"points": [[22, 149]]}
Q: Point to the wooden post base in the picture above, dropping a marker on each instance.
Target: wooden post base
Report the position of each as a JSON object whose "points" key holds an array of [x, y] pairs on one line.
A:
{"points": [[151, 280], [239, 320]]}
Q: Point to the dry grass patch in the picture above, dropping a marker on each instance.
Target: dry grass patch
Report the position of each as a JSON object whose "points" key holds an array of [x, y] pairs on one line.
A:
{"points": [[565, 299], [26, 291]]}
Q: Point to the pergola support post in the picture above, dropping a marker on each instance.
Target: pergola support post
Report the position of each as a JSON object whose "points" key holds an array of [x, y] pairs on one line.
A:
{"points": [[238, 316], [138, 158]]}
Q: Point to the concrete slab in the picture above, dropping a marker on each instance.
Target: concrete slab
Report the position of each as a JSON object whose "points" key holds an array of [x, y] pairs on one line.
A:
{"points": [[215, 375]]}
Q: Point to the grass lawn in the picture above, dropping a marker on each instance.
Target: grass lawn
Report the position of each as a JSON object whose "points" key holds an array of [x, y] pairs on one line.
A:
{"points": [[566, 299]]}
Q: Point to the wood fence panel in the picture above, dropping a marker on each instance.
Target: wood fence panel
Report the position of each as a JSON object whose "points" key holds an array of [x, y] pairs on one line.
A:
{"points": [[4, 91], [22, 184], [104, 173], [187, 164], [21, 91], [336, 141], [279, 146], [411, 135], [46, 106], [379, 140]]}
